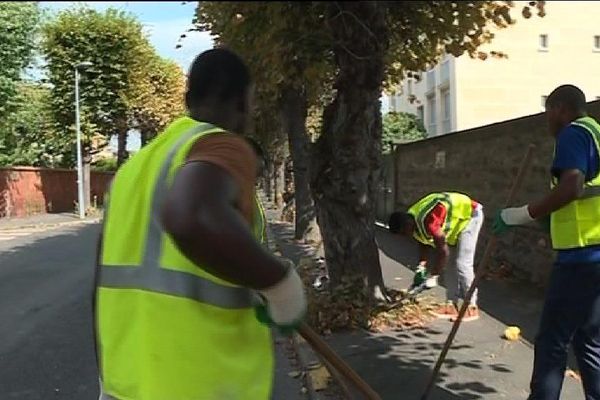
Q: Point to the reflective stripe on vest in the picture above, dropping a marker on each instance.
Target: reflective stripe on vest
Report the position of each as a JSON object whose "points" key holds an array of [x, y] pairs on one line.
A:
{"points": [[150, 276], [577, 224]]}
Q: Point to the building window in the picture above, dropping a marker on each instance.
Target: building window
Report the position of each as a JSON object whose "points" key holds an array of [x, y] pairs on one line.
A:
{"points": [[430, 80], [445, 72], [409, 87], [597, 43], [446, 111], [543, 42], [431, 113], [421, 114]]}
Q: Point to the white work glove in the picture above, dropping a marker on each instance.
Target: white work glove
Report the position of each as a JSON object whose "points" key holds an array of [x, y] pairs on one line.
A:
{"points": [[516, 216], [286, 301], [432, 281]]}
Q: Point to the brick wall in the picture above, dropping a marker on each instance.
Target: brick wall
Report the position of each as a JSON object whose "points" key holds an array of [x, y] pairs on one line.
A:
{"points": [[482, 163], [27, 190]]}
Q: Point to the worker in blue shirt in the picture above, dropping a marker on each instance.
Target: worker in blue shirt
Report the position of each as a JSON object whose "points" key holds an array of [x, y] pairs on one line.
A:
{"points": [[571, 312]]}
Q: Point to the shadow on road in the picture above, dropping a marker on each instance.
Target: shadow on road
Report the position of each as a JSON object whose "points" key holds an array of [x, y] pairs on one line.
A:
{"points": [[396, 364]]}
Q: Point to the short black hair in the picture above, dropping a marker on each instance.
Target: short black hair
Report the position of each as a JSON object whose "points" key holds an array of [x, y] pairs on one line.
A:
{"points": [[399, 220], [219, 73], [569, 96]]}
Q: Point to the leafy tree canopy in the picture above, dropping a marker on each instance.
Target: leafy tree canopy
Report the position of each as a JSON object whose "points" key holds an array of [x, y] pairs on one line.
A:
{"points": [[19, 23], [400, 127]]}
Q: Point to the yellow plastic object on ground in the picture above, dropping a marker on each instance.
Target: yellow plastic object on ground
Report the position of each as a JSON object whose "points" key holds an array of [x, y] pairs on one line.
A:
{"points": [[512, 333]]}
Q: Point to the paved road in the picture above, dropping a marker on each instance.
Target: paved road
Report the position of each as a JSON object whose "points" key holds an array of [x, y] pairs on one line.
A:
{"points": [[46, 351], [46, 347]]}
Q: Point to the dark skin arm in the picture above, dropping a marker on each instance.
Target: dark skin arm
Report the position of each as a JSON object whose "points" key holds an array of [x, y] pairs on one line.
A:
{"points": [[201, 216], [443, 253], [569, 188]]}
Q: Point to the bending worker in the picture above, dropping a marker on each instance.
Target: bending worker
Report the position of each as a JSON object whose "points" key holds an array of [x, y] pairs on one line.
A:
{"points": [[180, 267], [572, 308], [441, 221]]}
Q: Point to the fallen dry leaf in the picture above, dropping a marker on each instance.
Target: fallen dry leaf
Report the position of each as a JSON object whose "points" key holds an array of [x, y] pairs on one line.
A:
{"points": [[572, 374], [319, 378], [313, 365], [347, 306], [294, 374]]}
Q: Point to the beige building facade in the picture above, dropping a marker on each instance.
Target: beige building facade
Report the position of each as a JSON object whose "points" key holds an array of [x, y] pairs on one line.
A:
{"points": [[461, 93]]}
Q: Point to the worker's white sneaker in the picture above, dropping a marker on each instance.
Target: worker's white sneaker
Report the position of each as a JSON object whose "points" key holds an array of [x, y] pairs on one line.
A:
{"points": [[432, 281]]}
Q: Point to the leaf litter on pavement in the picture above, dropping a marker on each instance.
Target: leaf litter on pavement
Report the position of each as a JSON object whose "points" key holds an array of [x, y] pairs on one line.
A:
{"points": [[348, 305]]}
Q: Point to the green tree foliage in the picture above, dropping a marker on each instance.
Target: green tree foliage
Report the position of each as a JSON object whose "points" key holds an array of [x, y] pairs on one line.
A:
{"points": [[113, 41], [157, 95], [358, 49], [26, 134], [399, 127], [105, 165], [18, 28]]}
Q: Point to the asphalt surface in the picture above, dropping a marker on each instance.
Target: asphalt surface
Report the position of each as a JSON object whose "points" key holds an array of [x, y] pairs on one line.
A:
{"points": [[46, 351], [480, 365], [46, 345]]}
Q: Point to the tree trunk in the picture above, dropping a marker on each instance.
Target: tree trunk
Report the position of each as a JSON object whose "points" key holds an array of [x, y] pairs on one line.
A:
{"points": [[278, 180], [294, 112], [144, 137], [122, 131], [269, 181], [347, 157]]}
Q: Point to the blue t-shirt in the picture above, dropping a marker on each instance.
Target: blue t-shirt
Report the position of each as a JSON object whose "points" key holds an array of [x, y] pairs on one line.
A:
{"points": [[575, 149]]}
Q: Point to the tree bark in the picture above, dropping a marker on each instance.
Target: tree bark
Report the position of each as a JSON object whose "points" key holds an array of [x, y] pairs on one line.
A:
{"points": [[294, 111], [278, 180], [269, 181], [122, 132], [347, 157], [144, 137]]}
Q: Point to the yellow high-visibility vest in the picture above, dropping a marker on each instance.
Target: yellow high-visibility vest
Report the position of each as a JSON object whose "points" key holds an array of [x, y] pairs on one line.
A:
{"points": [[459, 210], [577, 224], [166, 328]]}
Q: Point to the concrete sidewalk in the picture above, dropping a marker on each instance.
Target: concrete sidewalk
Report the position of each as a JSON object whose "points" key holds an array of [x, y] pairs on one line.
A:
{"points": [[480, 365], [42, 220]]}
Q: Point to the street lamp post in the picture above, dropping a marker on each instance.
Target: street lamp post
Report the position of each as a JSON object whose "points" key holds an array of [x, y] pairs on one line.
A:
{"points": [[78, 129]]}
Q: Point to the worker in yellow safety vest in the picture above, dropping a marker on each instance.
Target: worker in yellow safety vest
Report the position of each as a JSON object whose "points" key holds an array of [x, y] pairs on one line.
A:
{"points": [[182, 277], [450, 223], [572, 309]]}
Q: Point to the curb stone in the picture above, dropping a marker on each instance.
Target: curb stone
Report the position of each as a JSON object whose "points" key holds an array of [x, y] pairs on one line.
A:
{"points": [[308, 358], [51, 225]]}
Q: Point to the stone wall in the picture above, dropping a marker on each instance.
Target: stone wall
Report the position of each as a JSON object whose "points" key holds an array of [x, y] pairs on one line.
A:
{"points": [[27, 190], [482, 163]]}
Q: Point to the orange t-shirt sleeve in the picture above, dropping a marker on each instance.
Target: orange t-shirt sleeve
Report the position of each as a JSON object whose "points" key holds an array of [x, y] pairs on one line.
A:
{"points": [[234, 155]]}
